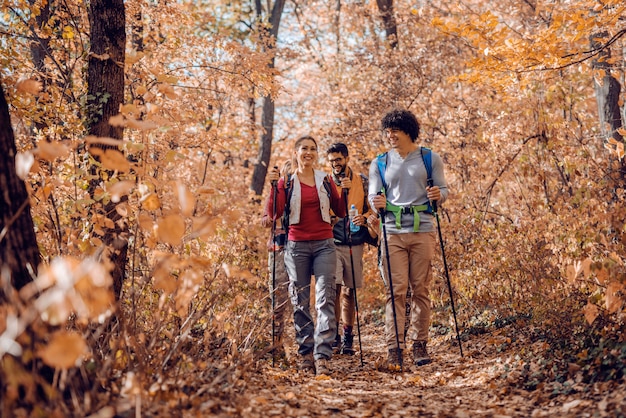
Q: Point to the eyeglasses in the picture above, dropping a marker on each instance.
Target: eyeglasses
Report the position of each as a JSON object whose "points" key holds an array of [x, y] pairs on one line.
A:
{"points": [[336, 160]]}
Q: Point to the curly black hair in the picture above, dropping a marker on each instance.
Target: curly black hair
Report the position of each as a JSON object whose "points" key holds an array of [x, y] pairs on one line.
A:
{"points": [[402, 120]]}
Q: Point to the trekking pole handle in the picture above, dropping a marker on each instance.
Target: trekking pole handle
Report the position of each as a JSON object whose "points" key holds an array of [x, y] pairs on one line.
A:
{"points": [[381, 211], [433, 203], [275, 182]]}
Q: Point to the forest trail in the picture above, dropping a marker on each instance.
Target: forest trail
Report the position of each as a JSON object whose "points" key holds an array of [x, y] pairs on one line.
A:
{"points": [[476, 385]]}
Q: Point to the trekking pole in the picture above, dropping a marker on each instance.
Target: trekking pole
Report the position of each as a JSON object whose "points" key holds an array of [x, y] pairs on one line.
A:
{"points": [[393, 305], [356, 300], [273, 290], [445, 267]]}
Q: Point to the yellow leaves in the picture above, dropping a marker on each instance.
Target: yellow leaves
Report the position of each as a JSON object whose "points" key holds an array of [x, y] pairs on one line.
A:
{"points": [[64, 350], [68, 32], [151, 202]]}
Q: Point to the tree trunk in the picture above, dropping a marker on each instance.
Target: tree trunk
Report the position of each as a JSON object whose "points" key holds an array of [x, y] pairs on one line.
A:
{"points": [[105, 90], [607, 91], [391, 29], [19, 253], [608, 97], [267, 117]]}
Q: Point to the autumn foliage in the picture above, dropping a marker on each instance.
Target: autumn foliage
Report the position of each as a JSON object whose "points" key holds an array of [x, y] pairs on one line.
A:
{"points": [[507, 92]]}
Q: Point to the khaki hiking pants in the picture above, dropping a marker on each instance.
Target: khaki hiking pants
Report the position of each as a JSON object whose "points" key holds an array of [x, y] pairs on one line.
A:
{"points": [[410, 256], [345, 304]]}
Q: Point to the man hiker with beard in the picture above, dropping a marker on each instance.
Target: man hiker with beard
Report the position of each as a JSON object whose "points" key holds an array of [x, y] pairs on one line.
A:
{"points": [[350, 242]]}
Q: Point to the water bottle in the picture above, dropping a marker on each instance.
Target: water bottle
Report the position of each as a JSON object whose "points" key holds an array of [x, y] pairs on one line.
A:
{"points": [[352, 213]]}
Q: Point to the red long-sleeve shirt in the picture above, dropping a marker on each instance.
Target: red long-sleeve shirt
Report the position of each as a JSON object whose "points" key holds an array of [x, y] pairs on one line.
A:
{"points": [[311, 226]]}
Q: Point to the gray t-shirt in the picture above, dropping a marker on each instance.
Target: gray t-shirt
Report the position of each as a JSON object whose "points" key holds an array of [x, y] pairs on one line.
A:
{"points": [[406, 186]]}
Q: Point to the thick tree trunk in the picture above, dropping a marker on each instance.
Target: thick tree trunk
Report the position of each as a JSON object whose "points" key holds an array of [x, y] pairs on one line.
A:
{"points": [[389, 21], [19, 254], [267, 117], [105, 78], [105, 75]]}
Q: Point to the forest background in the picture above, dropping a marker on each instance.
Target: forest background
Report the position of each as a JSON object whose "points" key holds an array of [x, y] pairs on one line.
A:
{"points": [[136, 137]]}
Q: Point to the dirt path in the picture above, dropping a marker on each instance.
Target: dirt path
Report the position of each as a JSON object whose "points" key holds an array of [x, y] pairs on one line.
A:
{"points": [[451, 386]]}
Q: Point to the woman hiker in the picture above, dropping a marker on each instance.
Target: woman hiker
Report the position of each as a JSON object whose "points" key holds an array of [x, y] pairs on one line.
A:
{"points": [[308, 197]]}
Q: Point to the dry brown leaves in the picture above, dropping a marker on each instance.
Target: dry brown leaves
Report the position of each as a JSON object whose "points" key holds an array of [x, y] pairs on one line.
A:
{"points": [[477, 385]]}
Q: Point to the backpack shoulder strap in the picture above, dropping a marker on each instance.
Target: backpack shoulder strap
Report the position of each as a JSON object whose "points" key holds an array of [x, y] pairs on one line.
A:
{"points": [[326, 184], [288, 193], [381, 161], [428, 163]]}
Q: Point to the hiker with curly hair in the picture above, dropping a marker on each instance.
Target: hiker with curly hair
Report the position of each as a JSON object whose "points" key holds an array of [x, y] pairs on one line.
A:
{"points": [[399, 189]]}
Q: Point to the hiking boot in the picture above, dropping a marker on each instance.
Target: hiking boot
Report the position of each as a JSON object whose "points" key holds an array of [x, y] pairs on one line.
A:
{"points": [[420, 354], [322, 366], [346, 345], [394, 359], [306, 363]]}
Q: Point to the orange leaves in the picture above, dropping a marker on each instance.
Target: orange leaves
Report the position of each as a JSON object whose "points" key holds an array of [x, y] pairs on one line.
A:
{"points": [[615, 297], [50, 151], [178, 278], [171, 229], [591, 312], [64, 350], [574, 270], [234, 271], [28, 86], [613, 292], [69, 286], [119, 189], [615, 146], [151, 202], [111, 159], [185, 198]]}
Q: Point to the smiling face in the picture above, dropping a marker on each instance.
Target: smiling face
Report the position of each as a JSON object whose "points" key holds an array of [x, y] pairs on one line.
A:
{"points": [[306, 153], [397, 139], [338, 163]]}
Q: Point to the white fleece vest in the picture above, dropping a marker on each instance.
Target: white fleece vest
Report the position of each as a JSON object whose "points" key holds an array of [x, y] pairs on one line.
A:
{"points": [[296, 197]]}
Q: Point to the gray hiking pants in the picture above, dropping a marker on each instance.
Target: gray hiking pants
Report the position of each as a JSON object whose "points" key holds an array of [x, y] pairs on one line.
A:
{"points": [[303, 259]]}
